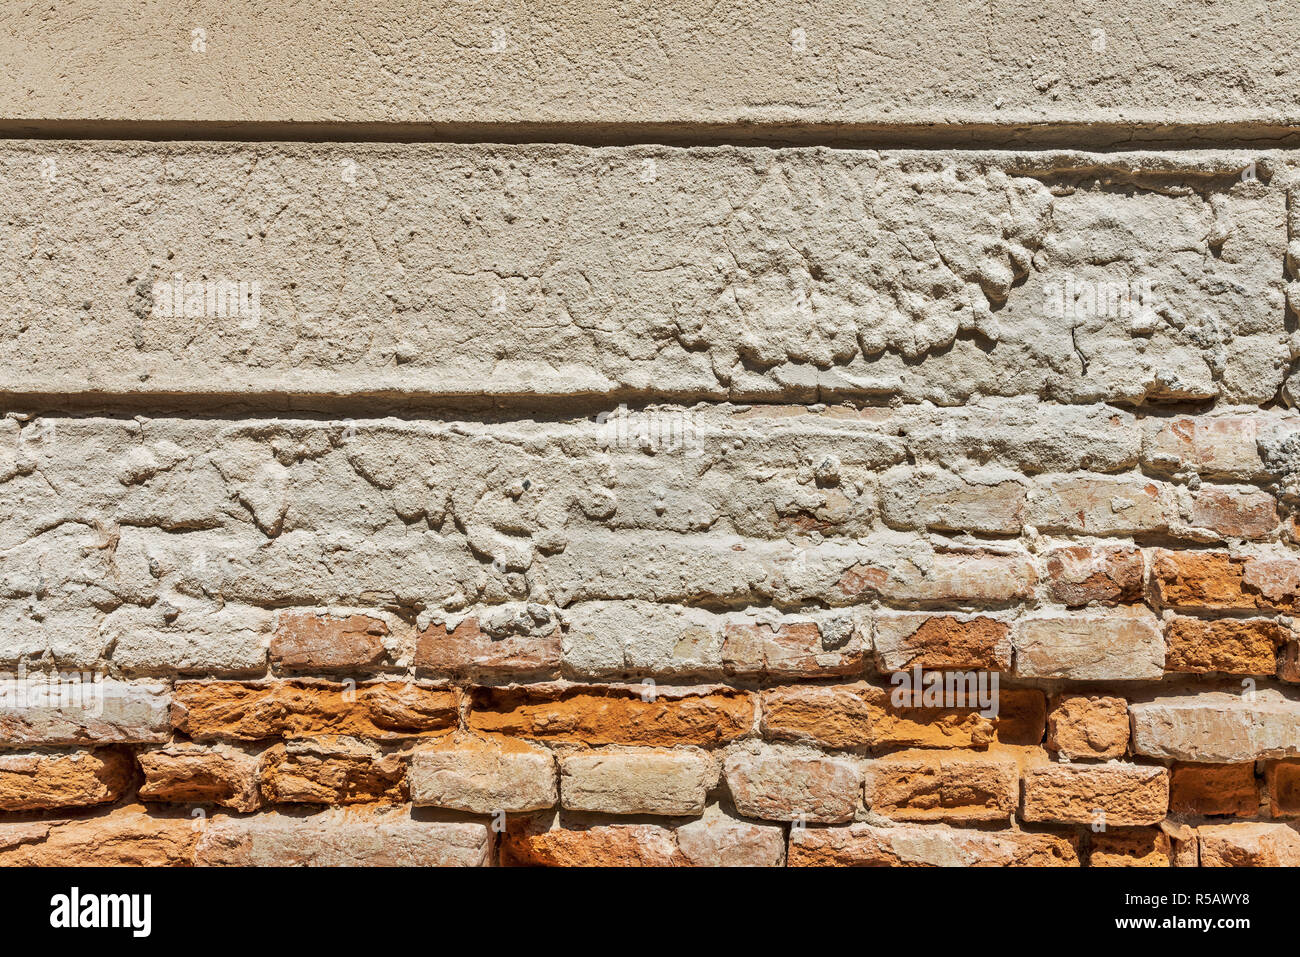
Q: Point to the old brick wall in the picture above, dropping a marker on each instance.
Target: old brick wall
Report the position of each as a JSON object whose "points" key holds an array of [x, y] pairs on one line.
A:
{"points": [[537, 433]]}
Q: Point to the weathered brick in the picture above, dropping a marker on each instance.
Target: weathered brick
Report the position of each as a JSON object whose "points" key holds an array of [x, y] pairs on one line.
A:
{"points": [[1127, 794], [1100, 505], [797, 649], [1130, 847], [191, 774], [41, 782], [637, 781], [640, 639], [1234, 513], [468, 650], [1217, 727], [36, 713], [952, 786], [331, 771], [941, 642], [1249, 844], [126, 836], [1282, 779], [858, 714], [1118, 645], [979, 501], [720, 840], [613, 714], [1088, 726], [532, 843], [834, 716], [932, 845], [781, 784], [342, 838], [304, 641], [1213, 446], [1233, 646], [483, 775], [240, 711], [1217, 581], [1213, 790], [1079, 575], [971, 577]]}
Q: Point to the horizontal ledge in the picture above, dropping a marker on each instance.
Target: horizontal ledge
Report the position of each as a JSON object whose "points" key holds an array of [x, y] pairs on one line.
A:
{"points": [[952, 133]]}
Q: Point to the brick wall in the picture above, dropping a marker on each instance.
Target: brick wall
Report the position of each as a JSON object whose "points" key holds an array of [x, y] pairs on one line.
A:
{"points": [[596, 488]]}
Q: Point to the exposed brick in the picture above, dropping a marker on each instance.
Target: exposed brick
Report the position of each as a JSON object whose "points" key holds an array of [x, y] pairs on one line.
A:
{"points": [[1217, 727], [191, 774], [1079, 575], [1217, 581], [1127, 794], [835, 716], [41, 782], [608, 714], [526, 843], [1213, 790], [1234, 513], [483, 775], [342, 838], [859, 714], [1249, 844], [953, 786], [40, 713], [124, 836], [941, 642], [469, 650], [321, 643], [975, 577], [720, 840], [637, 781], [331, 771], [1116, 645], [1233, 646], [1282, 779], [1088, 726], [791, 650], [1100, 505], [933, 845], [981, 501], [1221, 447], [780, 784], [243, 711], [1130, 847]]}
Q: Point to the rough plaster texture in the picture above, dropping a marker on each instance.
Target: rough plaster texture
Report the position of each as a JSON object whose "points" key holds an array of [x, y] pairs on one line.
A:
{"points": [[742, 273], [778, 68], [548, 499]]}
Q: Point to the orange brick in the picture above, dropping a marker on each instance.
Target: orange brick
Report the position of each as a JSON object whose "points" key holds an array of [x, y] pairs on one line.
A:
{"points": [[1230, 645], [250, 711], [951, 786], [609, 714], [1283, 781], [41, 782], [1214, 790], [1130, 847], [859, 713], [1088, 726]]}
